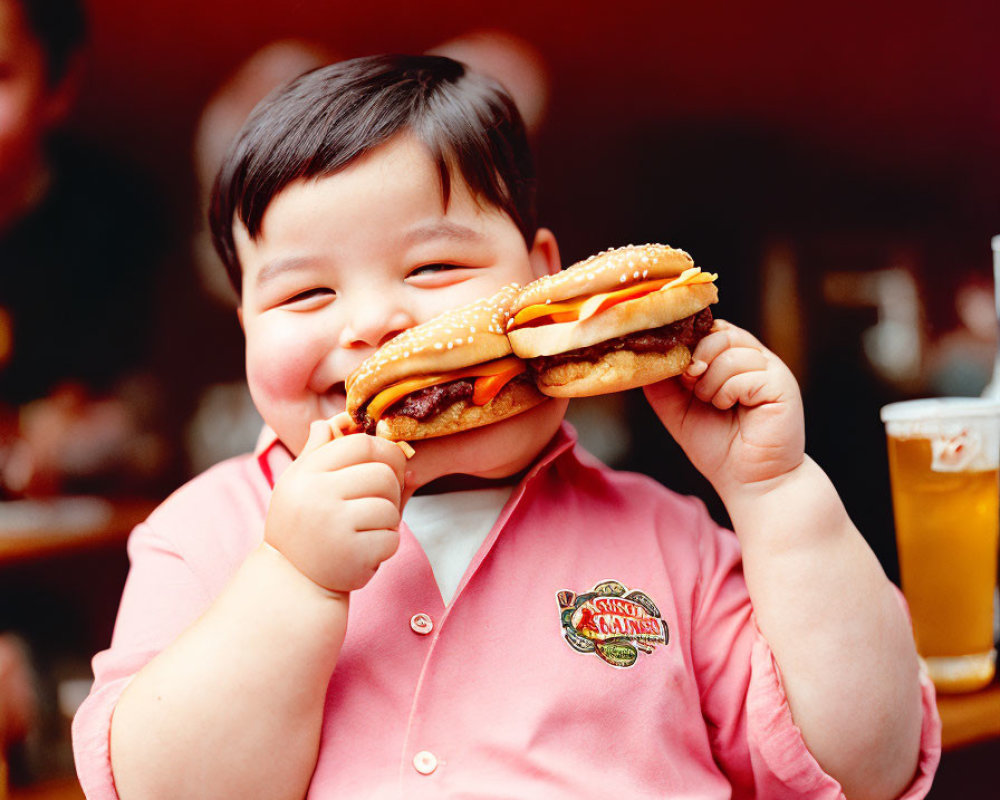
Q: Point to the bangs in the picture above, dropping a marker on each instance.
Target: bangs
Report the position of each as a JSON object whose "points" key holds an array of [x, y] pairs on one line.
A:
{"points": [[330, 117]]}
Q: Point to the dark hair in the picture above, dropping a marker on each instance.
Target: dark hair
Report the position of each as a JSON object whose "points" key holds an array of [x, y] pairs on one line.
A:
{"points": [[327, 118], [61, 28]]}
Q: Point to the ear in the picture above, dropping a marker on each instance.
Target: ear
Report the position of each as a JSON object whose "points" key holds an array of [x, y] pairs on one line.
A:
{"points": [[544, 254], [239, 316], [62, 98]]}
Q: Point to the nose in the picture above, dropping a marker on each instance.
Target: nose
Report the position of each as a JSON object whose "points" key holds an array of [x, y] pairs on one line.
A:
{"points": [[375, 320]]}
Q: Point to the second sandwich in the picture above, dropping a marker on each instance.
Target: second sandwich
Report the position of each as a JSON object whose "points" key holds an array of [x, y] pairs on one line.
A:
{"points": [[620, 319]]}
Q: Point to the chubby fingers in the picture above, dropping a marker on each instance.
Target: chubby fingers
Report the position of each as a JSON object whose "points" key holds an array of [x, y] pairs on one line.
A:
{"points": [[369, 514], [335, 512], [730, 366], [371, 479], [723, 336], [355, 449], [343, 424], [320, 432]]}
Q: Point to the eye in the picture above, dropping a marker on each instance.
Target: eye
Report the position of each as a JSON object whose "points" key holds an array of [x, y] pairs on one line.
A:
{"points": [[310, 298], [440, 274], [433, 269]]}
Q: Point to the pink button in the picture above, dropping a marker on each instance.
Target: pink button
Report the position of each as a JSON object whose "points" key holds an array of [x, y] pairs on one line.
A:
{"points": [[422, 624]]}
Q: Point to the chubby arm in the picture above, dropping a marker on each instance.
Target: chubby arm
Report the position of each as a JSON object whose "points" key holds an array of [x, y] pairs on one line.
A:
{"points": [[247, 681], [822, 601]]}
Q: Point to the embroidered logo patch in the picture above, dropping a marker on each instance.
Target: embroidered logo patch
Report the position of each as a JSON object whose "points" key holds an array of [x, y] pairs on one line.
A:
{"points": [[613, 622]]}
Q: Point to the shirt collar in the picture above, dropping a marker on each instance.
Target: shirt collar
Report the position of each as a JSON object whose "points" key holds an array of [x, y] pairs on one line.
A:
{"points": [[274, 458]]}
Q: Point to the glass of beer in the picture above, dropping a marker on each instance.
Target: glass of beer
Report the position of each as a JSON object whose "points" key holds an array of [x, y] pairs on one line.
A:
{"points": [[943, 458]]}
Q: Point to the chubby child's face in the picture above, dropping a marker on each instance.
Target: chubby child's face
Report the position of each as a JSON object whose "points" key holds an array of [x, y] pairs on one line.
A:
{"points": [[29, 108], [343, 263]]}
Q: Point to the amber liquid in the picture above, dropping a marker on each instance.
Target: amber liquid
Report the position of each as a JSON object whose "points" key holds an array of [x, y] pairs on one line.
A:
{"points": [[946, 532]]}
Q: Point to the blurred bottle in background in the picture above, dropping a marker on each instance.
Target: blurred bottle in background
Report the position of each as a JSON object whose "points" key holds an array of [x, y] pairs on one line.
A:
{"points": [[992, 389]]}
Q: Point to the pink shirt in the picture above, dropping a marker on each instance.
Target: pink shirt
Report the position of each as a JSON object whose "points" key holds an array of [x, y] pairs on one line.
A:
{"points": [[601, 637]]}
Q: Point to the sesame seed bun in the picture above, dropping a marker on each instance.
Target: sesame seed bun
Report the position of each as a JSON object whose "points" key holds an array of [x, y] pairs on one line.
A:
{"points": [[605, 272], [619, 369], [457, 339]]}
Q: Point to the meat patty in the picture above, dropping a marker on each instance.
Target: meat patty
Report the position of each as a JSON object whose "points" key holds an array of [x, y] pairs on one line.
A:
{"points": [[687, 332]]}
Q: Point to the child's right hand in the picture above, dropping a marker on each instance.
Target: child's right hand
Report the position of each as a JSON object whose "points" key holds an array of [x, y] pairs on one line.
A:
{"points": [[335, 511]]}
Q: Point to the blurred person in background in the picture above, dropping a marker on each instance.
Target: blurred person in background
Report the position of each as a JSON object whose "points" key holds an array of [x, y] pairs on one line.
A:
{"points": [[80, 239], [961, 360], [511, 61]]}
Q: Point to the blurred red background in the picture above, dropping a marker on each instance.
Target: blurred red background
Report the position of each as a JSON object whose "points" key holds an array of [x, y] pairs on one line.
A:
{"points": [[909, 88], [856, 136]]}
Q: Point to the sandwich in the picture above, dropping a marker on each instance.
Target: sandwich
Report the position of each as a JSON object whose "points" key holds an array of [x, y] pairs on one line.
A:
{"points": [[620, 319], [450, 374]]}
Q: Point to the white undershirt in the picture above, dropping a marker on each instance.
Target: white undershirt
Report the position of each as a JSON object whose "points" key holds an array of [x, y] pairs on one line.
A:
{"points": [[451, 527]]}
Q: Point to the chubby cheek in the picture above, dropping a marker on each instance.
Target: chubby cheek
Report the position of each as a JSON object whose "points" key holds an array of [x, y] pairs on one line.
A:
{"points": [[280, 364]]}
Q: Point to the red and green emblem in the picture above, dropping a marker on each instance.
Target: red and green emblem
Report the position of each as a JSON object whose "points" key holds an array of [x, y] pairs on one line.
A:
{"points": [[613, 622]]}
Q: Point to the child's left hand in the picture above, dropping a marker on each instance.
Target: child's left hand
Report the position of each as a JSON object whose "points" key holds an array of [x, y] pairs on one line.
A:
{"points": [[736, 411]]}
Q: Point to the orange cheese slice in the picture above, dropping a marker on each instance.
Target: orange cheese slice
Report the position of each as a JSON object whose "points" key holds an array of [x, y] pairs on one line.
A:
{"points": [[583, 308], [502, 366], [567, 308], [489, 386]]}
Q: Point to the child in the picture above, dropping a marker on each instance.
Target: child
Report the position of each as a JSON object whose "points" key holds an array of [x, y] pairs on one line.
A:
{"points": [[368, 197]]}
